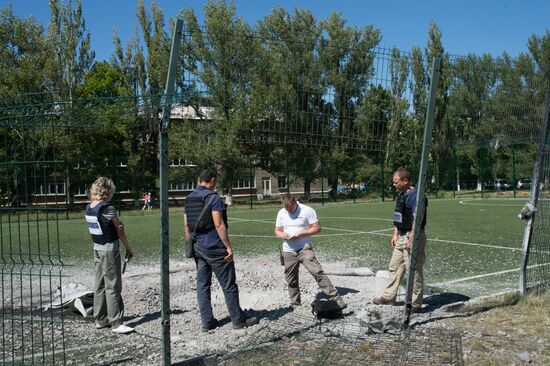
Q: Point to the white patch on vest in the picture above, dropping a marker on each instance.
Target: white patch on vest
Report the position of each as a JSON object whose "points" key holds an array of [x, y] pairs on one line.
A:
{"points": [[398, 217], [93, 225]]}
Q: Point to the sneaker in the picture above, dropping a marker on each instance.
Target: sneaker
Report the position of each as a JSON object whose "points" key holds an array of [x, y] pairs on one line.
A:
{"points": [[99, 325], [248, 322], [211, 326], [381, 300], [123, 329], [341, 303]]}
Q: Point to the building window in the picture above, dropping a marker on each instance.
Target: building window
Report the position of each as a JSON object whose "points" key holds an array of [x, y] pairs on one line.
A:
{"points": [[242, 183], [281, 181], [176, 162], [182, 186], [56, 188]]}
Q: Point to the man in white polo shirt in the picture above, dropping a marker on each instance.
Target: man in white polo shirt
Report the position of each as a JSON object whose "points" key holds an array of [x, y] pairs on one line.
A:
{"points": [[295, 224]]}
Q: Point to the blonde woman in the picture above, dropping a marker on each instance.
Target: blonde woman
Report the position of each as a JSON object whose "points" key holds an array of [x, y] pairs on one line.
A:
{"points": [[107, 231]]}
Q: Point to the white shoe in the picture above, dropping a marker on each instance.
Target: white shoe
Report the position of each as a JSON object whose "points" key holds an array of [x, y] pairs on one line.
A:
{"points": [[123, 329]]}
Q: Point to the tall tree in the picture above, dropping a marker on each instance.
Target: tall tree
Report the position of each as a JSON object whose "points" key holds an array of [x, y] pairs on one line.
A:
{"points": [[294, 70], [221, 59], [347, 58], [399, 72], [144, 67], [23, 55], [69, 43], [539, 48]]}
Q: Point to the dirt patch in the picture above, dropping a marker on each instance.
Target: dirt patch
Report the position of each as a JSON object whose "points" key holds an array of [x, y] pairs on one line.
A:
{"points": [[262, 293], [499, 333], [490, 337]]}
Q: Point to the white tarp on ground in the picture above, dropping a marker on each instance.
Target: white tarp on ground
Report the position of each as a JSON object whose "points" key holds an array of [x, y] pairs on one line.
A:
{"points": [[74, 296]]}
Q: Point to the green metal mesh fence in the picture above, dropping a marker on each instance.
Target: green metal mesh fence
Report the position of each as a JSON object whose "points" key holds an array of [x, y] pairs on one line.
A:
{"points": [[297, 342], [308, 110], [50, 152], [538, 265], [536, 243]]}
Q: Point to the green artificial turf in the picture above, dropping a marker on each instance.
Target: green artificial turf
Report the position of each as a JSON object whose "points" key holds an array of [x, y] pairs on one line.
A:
{"points": [[466, 238]]}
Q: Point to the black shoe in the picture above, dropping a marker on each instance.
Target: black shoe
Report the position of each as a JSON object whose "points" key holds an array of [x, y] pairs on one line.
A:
{"points": [[248, 322], [211, 326]]}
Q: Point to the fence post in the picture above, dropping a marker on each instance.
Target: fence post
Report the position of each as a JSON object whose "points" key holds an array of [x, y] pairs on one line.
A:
{"points": [[538, 173], [164, 231], [422, 177], [481, 168], [382, 179], [514, 180], [250, 177], [287, 175], [353, 164], [322, 185], [454, 172]]}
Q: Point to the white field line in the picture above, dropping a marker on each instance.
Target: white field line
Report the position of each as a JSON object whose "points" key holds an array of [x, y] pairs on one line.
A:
{"points": [[464, 279], [469, 203], [320, 218], [354, 218], [461, 242], [348, 232], [382, 233]]}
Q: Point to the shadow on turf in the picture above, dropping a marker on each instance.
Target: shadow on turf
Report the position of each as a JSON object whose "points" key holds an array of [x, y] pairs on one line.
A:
{"points": [[342, 291], [438, 300]]}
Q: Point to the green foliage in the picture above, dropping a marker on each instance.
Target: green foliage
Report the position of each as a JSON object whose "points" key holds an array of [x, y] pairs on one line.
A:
{"points": [[70, 54], [23, 56], [104, 80], [290, 94]]}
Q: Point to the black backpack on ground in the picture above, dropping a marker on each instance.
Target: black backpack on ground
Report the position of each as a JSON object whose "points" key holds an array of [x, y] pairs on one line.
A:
{"points": [[326, 309]]}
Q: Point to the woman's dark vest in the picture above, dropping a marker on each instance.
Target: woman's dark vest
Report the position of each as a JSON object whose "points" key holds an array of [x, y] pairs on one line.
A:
{"points": [[103, 231], [406, 214], [194, 203]]}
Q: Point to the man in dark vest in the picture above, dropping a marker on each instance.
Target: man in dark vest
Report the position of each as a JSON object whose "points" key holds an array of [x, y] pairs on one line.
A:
{"points": [[401, 242], [213, 252]]}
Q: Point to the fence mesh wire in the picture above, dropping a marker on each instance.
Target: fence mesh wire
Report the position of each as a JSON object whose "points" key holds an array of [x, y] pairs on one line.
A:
{"points": [[537, 272], [312, 108], [294, 341], [49, 153]]}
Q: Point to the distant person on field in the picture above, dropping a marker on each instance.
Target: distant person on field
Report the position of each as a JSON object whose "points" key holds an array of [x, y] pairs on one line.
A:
{"points": [[146, 200], [149, 201], [401, 243], [295, 225], [214, 252], [107, 232]]}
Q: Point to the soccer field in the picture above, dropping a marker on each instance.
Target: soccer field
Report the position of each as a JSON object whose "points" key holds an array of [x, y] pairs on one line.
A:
{"points": [[473, 246]]}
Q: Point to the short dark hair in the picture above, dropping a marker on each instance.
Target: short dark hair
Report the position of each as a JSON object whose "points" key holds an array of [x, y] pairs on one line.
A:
{"points": [[207, 175], [287, 198], [404, 174]]}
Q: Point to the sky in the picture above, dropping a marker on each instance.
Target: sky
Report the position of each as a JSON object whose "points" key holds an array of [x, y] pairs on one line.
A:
{"points": [[468, 26]]}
